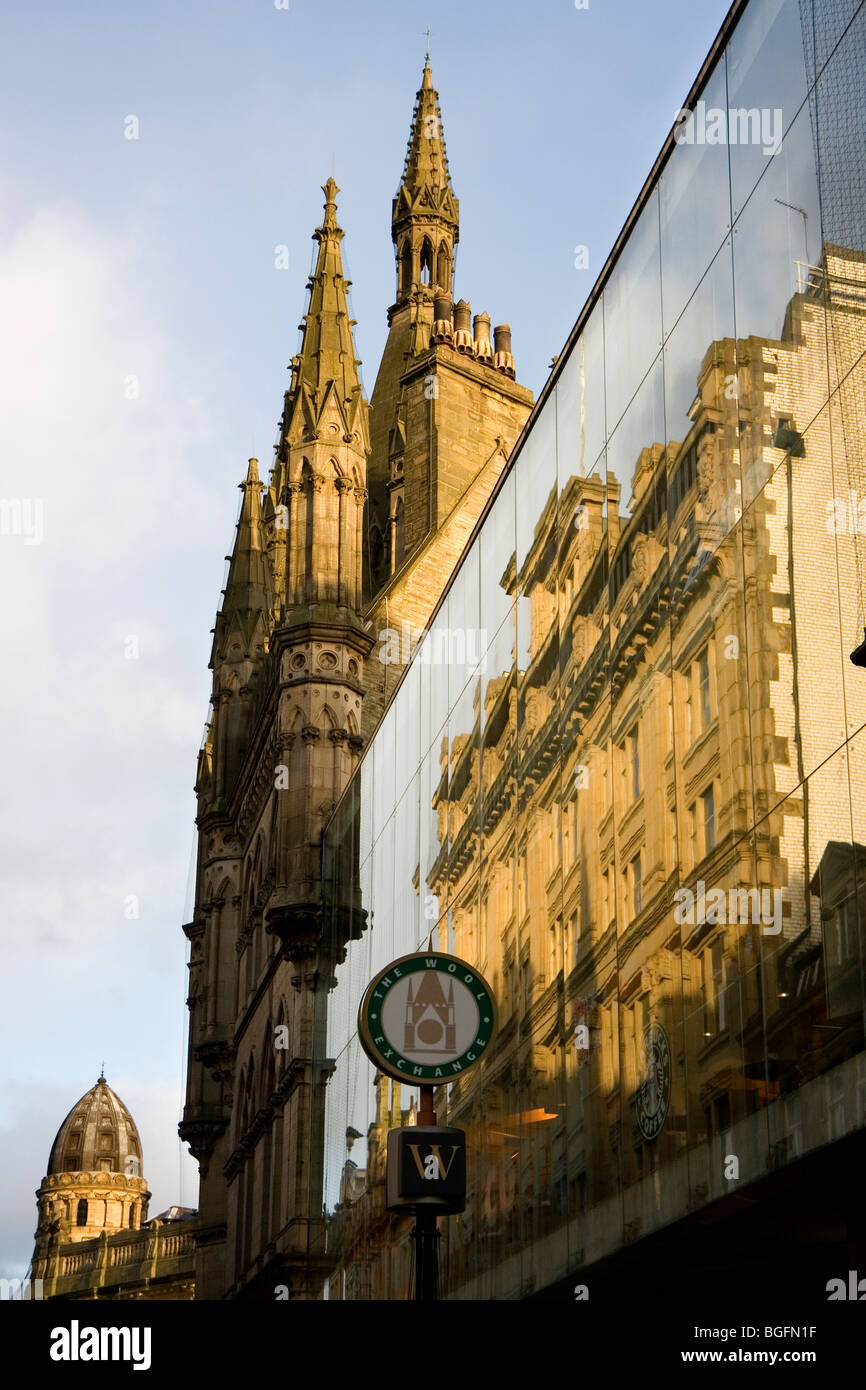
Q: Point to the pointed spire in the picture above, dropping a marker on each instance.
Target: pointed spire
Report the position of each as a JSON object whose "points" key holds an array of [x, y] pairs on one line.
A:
{"points": [[327, 353], [425, 215], [425, 171], [248, 585]]}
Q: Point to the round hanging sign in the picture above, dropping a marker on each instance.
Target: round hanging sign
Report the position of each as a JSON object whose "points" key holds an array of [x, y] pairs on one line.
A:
{"points": [[426, 1018], [654, 1091]]}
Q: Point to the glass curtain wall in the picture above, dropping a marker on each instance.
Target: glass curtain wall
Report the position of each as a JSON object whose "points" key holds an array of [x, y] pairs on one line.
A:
{"points": [[624, 774]]}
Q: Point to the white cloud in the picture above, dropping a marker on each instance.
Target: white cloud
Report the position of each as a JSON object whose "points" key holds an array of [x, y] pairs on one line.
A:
{"points": [[98, 750]]}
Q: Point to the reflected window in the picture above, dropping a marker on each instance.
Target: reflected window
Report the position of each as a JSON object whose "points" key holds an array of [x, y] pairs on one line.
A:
{"points": [[708, 804], [634, 763], [574, 939], [636, 885], [703, 665], [694, 853], [719, 983], [525, 986]]}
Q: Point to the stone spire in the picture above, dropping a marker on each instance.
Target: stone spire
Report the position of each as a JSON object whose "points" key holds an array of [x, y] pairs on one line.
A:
{"points": [[240, 642], [248, 586], [321, 471], [326, 366], [425, 213]]}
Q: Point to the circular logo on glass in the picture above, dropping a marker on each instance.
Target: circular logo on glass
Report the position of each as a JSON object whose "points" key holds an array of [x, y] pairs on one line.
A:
{"points": [[654, 1091], [426, 1018]]}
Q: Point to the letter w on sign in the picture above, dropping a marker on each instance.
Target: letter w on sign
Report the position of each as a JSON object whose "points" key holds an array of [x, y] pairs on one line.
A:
{"points": [[433, 1166]]}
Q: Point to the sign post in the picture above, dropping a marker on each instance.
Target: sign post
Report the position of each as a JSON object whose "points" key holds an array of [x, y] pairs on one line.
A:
{"points": [[425, 1020]]}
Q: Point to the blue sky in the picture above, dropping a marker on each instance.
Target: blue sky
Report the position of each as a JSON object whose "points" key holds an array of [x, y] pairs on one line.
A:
{"points": [[145, 337]]}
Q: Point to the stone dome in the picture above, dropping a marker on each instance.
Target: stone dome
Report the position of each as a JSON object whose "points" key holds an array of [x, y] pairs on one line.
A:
{"points": [[98, 1135]]}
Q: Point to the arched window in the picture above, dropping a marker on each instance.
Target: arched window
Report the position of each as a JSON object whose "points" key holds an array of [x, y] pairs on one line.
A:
{"points": [[406, 269], [426, 263], [443, 269], [132, 1216], [81, 1214]]}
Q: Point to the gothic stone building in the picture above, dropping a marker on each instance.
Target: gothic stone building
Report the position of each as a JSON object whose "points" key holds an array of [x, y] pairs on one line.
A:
{"points": [[366, 512]]}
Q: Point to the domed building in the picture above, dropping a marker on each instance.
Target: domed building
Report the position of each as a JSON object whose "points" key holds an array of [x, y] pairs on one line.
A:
{"points": [[93, 1237]]}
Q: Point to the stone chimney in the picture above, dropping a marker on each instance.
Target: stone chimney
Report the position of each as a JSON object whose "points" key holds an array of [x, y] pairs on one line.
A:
{"points": [[503, 360], [463, 327], [481, 335], [443, 328]]}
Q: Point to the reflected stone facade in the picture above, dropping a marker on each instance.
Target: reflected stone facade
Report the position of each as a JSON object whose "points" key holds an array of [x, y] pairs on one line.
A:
{"points": [[640, 812]]}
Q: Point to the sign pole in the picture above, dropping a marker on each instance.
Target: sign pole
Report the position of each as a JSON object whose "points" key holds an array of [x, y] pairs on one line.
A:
{"points": [[426, 1232], [423, 1020]]}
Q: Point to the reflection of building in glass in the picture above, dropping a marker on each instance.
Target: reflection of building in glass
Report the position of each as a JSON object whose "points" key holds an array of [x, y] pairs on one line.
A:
{"points": [[647, 802]]}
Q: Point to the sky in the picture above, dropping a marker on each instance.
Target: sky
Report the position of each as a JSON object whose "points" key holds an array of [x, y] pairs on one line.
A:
{"points": [[159, 165]]}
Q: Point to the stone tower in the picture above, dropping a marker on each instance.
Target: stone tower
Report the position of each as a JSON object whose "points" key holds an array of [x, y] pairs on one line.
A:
{"points": [[445, 410], [288, 656], [93, 1184], [93, 1238], [317, 571]]}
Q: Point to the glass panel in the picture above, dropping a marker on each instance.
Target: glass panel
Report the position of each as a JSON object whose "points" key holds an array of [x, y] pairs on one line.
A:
{"points": [[720, 909], [767, 84], [637, 440], [407, 735], [777, 242], [580, 402], [407, 902], [385, 773], [695, 207], [433, 846], [813, 966], [497, 549], [633, 313], [796, 711], [641, 819]]}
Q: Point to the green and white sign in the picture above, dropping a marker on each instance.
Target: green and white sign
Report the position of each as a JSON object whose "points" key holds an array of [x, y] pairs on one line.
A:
{"points": [[654, 1091], [427, 1018]]}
